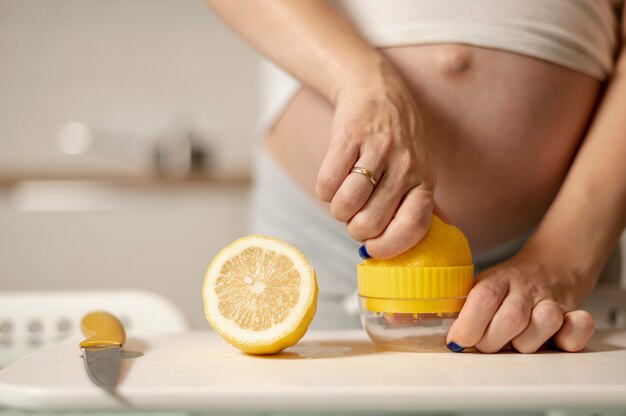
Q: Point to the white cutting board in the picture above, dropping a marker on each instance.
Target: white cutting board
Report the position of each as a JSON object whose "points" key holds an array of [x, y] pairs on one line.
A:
{"points": [[325, 371]]}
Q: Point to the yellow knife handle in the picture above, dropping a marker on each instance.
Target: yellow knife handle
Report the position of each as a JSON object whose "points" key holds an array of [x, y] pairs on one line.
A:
{"points": [[102, 328]]}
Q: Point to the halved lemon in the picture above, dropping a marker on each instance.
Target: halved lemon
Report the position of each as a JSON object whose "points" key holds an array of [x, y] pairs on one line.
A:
{"points": [[260, 294], [444, 245]]}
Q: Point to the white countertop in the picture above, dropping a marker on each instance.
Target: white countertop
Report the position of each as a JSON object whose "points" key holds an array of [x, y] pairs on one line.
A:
{"points": [[329, 370]]}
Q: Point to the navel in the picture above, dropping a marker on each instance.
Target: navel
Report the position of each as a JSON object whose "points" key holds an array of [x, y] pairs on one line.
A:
{"points": [[454, 59]]}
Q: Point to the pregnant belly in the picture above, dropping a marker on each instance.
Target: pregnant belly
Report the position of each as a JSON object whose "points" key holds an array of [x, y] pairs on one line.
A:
{"points": [[502, 129]]}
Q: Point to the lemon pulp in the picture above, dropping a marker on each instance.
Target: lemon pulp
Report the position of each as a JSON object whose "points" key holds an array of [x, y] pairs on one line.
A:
{"points": [[257, 288], [260, 294]]}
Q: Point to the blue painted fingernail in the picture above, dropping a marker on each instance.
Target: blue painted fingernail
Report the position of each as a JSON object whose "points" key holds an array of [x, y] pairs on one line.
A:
{"points": [[454, 347], [363, 253]]}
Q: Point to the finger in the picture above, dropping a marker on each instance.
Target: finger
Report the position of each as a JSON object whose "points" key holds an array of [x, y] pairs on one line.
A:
{"points": [[481, 305], [378, 212], [439, 212], [340, 158], [577, 330], [545, 320], [510, 320], [356, 189], [376, 215], [406, 229]]}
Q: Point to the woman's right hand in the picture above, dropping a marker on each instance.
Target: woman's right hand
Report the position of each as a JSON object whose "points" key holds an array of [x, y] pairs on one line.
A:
{"points": [[377, 126]]}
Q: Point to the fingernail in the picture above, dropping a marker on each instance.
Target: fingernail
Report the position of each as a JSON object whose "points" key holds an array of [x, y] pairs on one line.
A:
{"points": [[454, 347], [363, 253]]}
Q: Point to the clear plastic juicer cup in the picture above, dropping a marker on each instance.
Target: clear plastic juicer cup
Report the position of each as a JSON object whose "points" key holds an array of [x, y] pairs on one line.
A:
{"points": [[411, 308]]}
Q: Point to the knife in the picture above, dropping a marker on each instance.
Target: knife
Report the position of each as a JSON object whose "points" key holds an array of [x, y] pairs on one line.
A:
{"points": [[102, 348]]}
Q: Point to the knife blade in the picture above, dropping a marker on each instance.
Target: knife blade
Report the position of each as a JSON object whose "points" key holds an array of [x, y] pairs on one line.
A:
{"points": [[102, 348]]}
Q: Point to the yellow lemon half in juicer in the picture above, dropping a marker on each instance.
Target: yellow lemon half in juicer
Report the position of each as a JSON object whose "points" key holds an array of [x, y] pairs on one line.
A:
{"points": [[260, 294], [408, 302], [444, 245]]}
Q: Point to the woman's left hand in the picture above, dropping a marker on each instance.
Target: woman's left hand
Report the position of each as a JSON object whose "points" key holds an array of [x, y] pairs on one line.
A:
{"points": [[525, 302]]}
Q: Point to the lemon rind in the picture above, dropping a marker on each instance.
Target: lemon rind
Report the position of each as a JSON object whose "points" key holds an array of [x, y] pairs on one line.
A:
{"points": [[279, 336]]}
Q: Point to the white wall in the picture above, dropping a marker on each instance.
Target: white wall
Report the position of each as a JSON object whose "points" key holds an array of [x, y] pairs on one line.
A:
{"points": [[160, 239], [130, 67]]}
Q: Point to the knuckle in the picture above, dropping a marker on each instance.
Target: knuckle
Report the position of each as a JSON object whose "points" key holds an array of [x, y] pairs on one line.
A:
{"points": [[355, 133], [485, 294], [586, 322], [366, 225], [385, 147], [357, 235], [419, 224], [548, 315], [515, 317], [343, 207], [406, 165], [579, 332]]}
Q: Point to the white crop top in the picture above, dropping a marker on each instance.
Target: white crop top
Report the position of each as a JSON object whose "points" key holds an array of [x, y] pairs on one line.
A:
{"points": [[578, 34]]}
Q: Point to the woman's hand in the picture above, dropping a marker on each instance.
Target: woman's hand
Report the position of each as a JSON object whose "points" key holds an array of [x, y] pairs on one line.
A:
{"points": [[525, 302], [376, 123], [377, 126]]}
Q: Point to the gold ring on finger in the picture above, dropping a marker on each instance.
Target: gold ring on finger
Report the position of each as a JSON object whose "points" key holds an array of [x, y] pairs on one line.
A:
{"points": [[368, 174]]}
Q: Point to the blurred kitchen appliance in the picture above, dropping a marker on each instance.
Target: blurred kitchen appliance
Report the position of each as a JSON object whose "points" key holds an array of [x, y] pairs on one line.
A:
{"points": [[176, 151]]}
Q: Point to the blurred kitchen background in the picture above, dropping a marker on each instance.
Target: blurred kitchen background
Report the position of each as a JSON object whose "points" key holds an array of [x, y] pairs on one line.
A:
{"points": [[126, 134]]}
